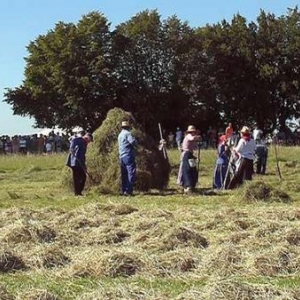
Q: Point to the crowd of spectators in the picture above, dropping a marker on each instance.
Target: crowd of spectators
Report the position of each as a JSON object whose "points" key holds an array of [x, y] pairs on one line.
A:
{"points": [[35, 143]]}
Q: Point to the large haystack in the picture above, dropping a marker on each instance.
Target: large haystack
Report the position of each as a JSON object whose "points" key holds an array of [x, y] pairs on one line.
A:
{"points": [[103, 162]]}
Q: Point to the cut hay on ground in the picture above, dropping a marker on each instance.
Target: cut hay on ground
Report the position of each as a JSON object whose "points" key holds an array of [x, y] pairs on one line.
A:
{"points": [[260, 191], [37, 295], [4, 295], [10, 262]]}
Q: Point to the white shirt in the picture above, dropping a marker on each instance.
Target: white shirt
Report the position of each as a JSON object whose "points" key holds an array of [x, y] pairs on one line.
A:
{"points": [[257, 134], [245, 148]]}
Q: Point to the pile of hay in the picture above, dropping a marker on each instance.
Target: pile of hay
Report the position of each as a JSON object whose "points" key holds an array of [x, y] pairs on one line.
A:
{"points": [[260, 191], [10, 262], [103, 161]]}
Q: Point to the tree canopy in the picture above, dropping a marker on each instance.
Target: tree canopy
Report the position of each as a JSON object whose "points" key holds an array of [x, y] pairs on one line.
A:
{"points": [[163, 71]]}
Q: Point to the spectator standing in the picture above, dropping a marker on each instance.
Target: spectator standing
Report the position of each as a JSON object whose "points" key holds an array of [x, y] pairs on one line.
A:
{"points": [[127, 144], [178, 137]]}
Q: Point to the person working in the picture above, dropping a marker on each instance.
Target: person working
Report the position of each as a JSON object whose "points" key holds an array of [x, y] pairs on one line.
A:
{"points": [[127, 144], [76, 161]]}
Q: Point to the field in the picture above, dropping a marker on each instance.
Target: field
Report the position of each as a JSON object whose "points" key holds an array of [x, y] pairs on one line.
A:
{"points": [[241, 244]]}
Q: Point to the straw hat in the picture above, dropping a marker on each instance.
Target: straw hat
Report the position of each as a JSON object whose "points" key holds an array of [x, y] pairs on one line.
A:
{"points": [[125, 124], [245, 129], [191, 128]]}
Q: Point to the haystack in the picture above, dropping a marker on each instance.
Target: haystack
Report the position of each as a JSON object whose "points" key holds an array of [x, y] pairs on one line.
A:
{"points": [[103, 161]]}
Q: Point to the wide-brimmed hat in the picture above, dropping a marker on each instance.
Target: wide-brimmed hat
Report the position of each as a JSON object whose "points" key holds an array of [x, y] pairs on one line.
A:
{"points": [[191, 128], [245, 130], [125, 124]]}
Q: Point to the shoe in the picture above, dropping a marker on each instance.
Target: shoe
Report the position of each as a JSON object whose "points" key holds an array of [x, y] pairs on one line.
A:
{"points": [[126, 194], [187, 190]]}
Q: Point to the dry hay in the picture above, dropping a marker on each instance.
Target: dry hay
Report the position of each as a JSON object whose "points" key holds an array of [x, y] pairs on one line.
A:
{"points": [[293, 237], [21, 233], [277, 261], [37, 295], [123, 291], [174, 263], [54, 257], [112, 264], [10, 262], [103, 161], [224, 260], [235, 290], [260, 191], [4, 295]]}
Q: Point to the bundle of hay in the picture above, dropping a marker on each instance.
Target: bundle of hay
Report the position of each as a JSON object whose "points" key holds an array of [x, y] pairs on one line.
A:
{"points": [[103, 159], [260, 191]]}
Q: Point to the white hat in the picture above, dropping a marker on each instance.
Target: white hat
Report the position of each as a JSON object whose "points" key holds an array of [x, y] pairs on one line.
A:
{"points": [[245, 129], [191, 128], [125, 124]]}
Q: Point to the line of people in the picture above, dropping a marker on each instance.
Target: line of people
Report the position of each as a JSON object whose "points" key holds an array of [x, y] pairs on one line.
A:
{"points": [[234, 164]]}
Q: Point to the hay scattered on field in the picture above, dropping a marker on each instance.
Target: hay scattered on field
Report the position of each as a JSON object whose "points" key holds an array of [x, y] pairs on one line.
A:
{"points": [[4, 295], [37, 295], [10, 262], [112, 264], [54, 257], [103, 162], [260, 191], [293, 237], [21, 233], [236, 290], [177, 262]]}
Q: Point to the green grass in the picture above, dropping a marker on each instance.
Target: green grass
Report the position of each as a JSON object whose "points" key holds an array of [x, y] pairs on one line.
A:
{"points": [[32, 197]]}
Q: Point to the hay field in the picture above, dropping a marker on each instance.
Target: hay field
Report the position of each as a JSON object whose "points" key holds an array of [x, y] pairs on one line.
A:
{"points": [[241, 244]]}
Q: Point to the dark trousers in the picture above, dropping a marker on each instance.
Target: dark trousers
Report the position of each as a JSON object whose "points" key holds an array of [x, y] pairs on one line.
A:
{"points": [[244, 172], [128, 174], [79, 178]]}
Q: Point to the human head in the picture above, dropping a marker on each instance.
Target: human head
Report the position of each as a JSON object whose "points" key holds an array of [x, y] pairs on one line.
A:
{"points": [[88, 137], [125, 124], [245, 131], [191, 129]]}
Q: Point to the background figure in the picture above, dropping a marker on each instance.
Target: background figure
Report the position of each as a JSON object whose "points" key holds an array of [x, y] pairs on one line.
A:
{"points": [[221, 164], [76, 161], [257, 134], [188, 174], [261, 153], [178, 138], [245, 150], [127, 144]]}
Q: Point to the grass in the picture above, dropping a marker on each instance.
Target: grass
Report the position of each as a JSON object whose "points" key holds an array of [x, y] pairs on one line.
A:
{"points": [[147, 247]]}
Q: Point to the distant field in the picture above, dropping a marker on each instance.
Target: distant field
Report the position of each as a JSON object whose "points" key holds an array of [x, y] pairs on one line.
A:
{"points": [[156, 245]]}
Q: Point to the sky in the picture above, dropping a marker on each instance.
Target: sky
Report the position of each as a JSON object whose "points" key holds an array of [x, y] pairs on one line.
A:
{"points": [[22, 21]]}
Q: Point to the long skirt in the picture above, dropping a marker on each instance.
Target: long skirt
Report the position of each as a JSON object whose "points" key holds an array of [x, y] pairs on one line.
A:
{"points": [[220, 176], [188, 174], [243, 172]]}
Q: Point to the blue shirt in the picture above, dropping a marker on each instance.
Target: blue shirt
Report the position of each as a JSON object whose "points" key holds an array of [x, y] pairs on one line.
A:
{"points": [[77, 153], [126, 142]]}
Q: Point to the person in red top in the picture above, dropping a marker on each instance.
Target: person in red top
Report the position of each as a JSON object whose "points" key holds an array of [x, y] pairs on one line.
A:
{"points": [[229, 131]]}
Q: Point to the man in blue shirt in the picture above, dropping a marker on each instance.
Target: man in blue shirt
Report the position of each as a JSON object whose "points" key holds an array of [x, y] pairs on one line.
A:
{"points": [[76, 161], [127, 144]]}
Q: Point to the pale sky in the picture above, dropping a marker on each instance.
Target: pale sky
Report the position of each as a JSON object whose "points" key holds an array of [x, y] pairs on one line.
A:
{"points": [[22, 21]]}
